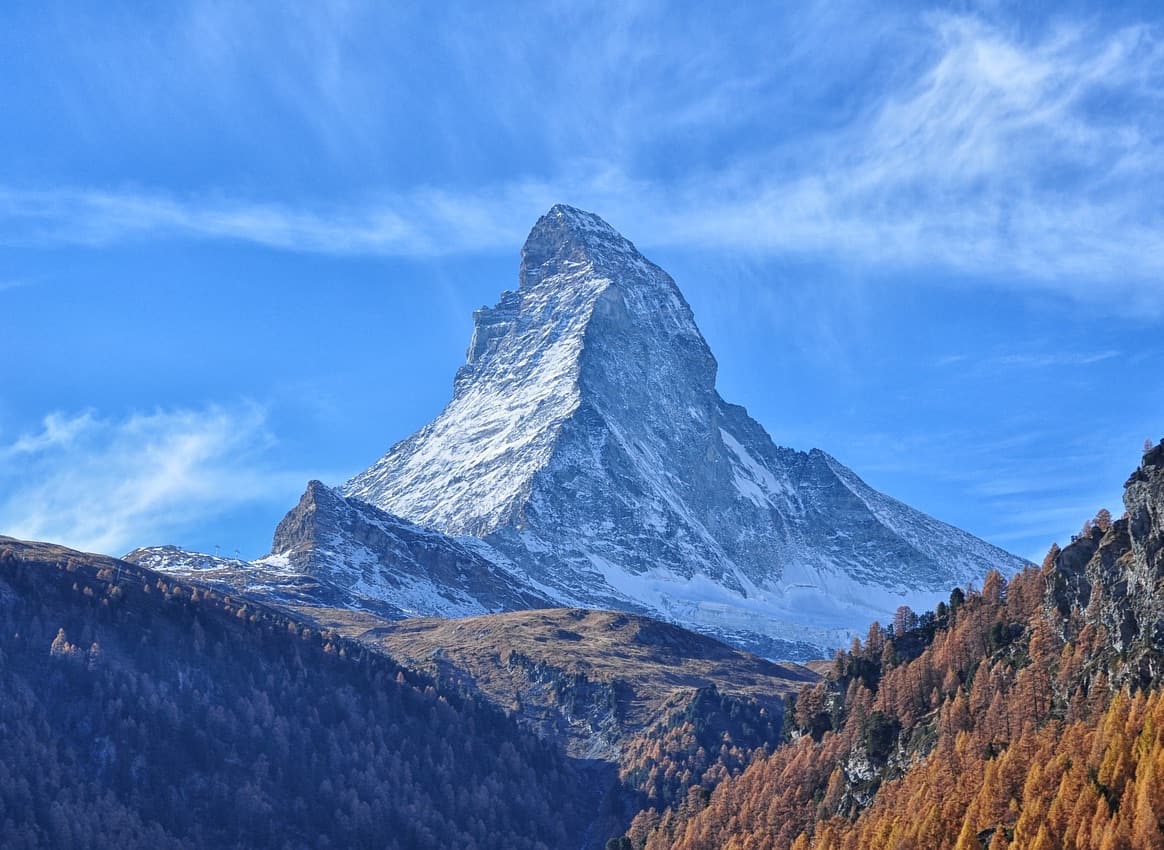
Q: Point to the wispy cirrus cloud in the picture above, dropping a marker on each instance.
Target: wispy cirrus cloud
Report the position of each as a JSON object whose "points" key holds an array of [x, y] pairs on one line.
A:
{"points": [[1017, 160], [14, 283], [57, 431], [1030, 359], [420, 224], [107, 485]]}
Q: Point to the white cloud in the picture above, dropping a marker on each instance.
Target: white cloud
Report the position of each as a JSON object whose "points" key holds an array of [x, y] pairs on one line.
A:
{"points": [[424, 223], [57, 431], [1000, 159], [1028, 359], [1063, 358], [109, 485], [1032, 162]]}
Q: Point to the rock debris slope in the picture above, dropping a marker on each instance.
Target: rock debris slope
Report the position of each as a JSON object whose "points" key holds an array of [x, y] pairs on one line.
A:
{"points": [[587, 452]]}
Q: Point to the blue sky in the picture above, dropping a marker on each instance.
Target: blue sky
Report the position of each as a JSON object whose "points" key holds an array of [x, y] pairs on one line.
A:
{"points": [[240, 243]]}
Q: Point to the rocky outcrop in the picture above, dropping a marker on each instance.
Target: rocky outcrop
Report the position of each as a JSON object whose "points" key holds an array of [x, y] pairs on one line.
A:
{"points": [[332, 552], [588, 680], [1144, 499], [380, 557], [1114, 579]]}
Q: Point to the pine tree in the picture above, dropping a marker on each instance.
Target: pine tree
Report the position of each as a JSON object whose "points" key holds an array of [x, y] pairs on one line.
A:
{"points": [[61, 648], [1049, 560]]}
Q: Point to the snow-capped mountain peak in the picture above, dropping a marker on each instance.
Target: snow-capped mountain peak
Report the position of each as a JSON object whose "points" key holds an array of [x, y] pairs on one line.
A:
{"points": [[587, 460], [532, 356], [586, 447]]}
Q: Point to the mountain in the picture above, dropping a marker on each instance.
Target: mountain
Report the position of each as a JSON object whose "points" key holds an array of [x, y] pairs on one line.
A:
{"points": [[587, 449], [146, 710], [1027, 715], [1113, 573], [587, 680], [586, 460]]}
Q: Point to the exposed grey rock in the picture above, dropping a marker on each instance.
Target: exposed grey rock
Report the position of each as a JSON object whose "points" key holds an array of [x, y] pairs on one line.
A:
{"points": [[274, 582], [335, 552], [377, 556], [1115, 579]]}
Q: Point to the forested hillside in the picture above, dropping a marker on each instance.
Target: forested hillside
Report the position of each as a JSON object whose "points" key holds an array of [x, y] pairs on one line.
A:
{"points": [[1025, 715], [136, 711], [667, 707], [141, 710]]}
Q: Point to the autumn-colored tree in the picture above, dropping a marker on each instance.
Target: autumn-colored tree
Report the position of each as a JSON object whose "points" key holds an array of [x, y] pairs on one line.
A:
{"points": [[904, 619], [1049, 558], [994, 588]]}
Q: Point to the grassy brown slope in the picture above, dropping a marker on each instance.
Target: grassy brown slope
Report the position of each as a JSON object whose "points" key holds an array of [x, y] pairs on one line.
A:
{"points": [[821, 666], [551, 666]]}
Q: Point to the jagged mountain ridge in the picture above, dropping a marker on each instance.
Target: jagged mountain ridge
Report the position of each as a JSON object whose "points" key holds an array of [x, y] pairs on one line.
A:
{"points": [[329, 551], [587, 447]]}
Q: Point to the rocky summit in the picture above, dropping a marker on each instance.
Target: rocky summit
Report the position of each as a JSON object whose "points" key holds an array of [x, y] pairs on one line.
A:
{"points": [[587, 460]]}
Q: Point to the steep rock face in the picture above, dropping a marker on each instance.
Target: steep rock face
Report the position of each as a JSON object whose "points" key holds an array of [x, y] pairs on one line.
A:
{"points": [[587, 449], [272, 579], [530, 390], [334, 552], [1144, 499], [377, 556], [1115, 578]]}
